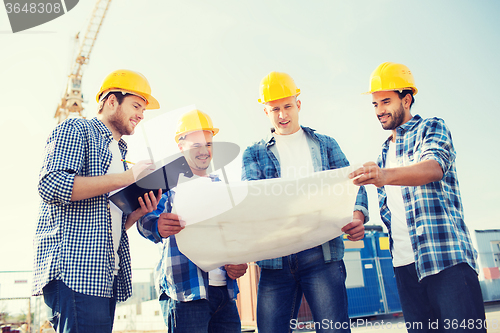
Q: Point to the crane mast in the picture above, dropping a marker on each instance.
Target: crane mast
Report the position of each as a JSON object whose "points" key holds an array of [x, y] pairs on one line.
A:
{"points": [[72, 99]]}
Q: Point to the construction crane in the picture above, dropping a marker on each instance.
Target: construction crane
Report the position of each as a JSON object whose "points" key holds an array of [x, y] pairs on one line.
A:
{"points": [[72, 99]]}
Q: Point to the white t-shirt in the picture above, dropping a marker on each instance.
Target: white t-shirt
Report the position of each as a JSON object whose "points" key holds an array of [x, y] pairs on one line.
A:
{"points": [[402, 252], [116, 166], [294, 155], [217, 277]]}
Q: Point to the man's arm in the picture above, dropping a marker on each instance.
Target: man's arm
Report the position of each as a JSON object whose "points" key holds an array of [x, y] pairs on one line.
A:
{"points": [[169, 224], [63, 159], [147, 205], [436, 155], [59, 183], [355, 230], [419, 174], [250, 169], [89, 187], [361, 205], [157, 224]]}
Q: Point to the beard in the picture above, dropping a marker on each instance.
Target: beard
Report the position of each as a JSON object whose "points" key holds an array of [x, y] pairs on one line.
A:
{"points": [[202, 165], [396, 119], [118, 121]]}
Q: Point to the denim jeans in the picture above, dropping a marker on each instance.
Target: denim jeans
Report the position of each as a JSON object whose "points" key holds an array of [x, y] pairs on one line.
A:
{"points": [[217, 314], [450, 301], [323, 285], [72, 312]]}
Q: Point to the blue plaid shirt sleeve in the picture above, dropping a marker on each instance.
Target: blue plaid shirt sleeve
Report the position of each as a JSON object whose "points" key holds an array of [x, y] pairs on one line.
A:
{"points": [[148, 224], [63, 160], [362, 203], [437, 144], [250, 169]]}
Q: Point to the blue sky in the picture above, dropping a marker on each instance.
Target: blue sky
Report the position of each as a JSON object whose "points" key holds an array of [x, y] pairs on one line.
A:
{"points": [[214, 53]]}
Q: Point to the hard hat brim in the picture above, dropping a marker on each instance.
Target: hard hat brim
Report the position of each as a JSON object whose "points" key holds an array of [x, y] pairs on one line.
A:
{"points": [[285, 96], [213, 130], [152, 102], [415, 90]]}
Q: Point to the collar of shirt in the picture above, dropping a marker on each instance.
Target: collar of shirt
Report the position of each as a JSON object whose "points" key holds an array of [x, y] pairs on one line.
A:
{"points": [[408, 126], [269, 140], [106, 133]]}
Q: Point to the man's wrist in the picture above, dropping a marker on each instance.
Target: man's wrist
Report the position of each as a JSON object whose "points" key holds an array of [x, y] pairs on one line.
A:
{"points": [[156, 231], [126, 178], [360, 214]]}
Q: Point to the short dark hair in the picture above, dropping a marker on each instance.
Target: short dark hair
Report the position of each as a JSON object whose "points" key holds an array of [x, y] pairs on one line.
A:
{"points": [[119, 97], [403, 93]]}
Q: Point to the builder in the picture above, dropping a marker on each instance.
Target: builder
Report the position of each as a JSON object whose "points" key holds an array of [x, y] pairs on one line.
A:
{"points": [[318, 273], [82, 260], [192, 300], [434, 260]]}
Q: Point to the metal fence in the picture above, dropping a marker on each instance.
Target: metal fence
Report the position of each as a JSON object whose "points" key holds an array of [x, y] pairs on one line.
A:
{"points": [[28, 314]]}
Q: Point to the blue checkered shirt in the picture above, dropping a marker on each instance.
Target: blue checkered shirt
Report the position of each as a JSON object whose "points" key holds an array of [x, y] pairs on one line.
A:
{"points": [[177, 276], [434, 212], [73, 239], [260, 162]]}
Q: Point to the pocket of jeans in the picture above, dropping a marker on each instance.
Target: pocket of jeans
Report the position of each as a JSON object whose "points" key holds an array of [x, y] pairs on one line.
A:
{"points": [[50, 292], [342, 269], [51, 299]]}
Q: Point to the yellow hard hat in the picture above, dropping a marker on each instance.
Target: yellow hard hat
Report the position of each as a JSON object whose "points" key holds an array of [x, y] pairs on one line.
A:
{"points": [[193, 121], [391, 76], [129, 82], [275, 86]]}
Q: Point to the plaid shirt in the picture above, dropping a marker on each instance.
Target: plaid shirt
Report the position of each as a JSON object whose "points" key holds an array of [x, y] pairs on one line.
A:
{"points": [[73, 240], [434, 212], [177, 276], [260, 162]]}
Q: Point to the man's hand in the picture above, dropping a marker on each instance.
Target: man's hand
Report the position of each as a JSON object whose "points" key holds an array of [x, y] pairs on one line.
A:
{"points": [[236, 271], [169, 224], [148, 204], [369, 173], [355, 230], [417, 174], [141, 169]]}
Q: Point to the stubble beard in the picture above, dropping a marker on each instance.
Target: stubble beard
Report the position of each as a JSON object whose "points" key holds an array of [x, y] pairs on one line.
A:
{"points": [[397, 119], [118, 122], [201, 165]]}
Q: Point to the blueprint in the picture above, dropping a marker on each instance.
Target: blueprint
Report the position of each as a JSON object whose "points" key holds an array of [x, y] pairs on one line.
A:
{"points": [[248, 221]]}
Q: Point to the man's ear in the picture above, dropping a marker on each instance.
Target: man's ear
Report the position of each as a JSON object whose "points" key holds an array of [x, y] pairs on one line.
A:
{"points": [[299, 103], [407, 101], [112, 102]]}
